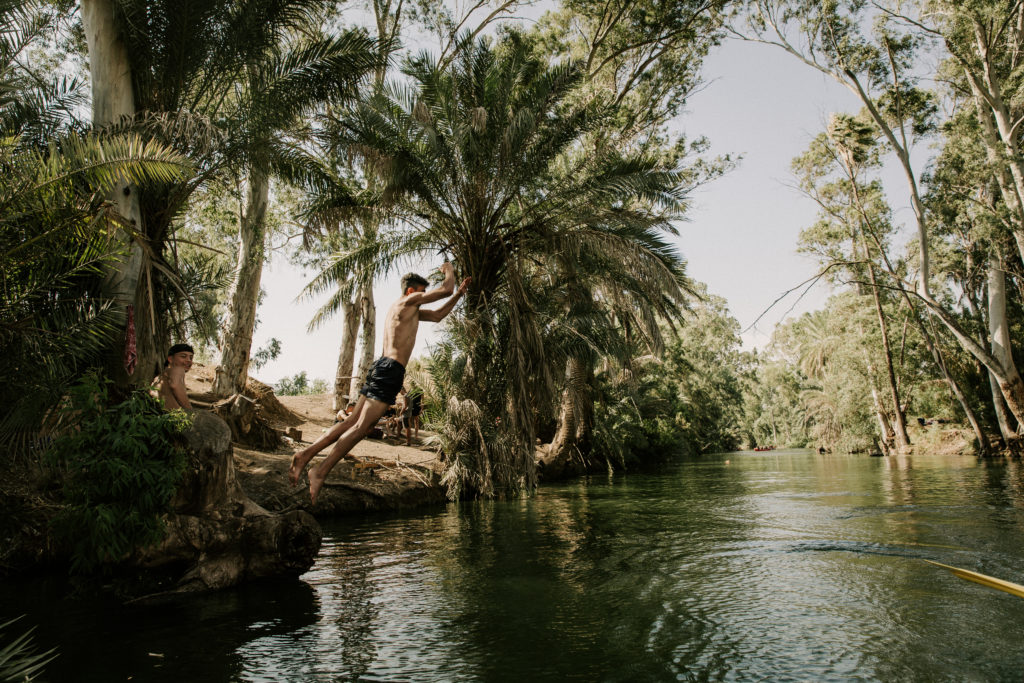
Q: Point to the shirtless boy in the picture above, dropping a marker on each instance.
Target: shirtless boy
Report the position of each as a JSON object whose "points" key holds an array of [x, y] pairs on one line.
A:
{"points": [[385, 377], [169, 385]]}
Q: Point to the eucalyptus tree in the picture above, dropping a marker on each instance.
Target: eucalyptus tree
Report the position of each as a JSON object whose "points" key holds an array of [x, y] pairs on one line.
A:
{"points": [[984, 39], [331, 206], [974, 232], [484, 156], [295, 78], [174, 73], [833, 172], [56, 225], [881, 70]]}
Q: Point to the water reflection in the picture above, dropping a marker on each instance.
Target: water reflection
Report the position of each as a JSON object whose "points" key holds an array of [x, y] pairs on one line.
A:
{"points": [[199, 637], [784, 565]]}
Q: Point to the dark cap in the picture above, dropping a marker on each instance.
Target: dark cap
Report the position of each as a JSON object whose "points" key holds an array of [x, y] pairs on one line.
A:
{"points": [[178, 348]]}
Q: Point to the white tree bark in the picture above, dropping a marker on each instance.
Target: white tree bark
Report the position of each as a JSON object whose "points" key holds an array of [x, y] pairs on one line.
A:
{"points": [[999, 333], [346, 355], [233, 371], [1003, 417], [112, 99], [367, 337]]}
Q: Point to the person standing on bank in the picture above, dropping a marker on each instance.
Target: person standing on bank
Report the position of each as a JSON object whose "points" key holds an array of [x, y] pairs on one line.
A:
{"points": [[386, 376]]}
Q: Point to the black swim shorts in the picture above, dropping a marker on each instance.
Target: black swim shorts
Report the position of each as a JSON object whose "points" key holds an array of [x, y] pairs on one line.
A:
{"points": [[384, 380]]}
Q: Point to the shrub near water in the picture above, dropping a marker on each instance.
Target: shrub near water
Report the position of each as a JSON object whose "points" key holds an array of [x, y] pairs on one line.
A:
{"points": [[121, 465]]}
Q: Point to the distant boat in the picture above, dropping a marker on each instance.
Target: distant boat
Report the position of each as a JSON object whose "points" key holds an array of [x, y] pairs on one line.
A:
{"points": [[764, 448]]}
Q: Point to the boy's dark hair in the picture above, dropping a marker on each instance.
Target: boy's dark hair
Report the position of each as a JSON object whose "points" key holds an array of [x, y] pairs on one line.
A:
{"points": [[178, 348], [413, 280]]}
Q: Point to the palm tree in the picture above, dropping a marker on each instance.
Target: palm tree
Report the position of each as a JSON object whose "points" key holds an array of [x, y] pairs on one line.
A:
{"points": [[55, 226], [613, 297], [176, 72], [484, 160]]}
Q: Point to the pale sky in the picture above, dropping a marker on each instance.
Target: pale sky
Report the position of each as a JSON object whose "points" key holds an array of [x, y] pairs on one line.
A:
{"points": [[741, 238]]}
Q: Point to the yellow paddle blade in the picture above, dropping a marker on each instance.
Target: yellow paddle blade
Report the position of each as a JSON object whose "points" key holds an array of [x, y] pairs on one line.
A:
{"points": [[990, 581]]}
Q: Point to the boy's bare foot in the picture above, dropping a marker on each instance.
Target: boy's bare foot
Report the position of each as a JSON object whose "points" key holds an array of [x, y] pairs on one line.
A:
{"points": [[316, 482], [299, 462]]}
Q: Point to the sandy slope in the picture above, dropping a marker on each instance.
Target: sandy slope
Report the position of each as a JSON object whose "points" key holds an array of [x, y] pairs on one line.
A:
{"points": [[398, 475]]}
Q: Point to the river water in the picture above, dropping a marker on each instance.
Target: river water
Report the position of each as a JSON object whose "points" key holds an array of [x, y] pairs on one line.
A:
{"points": [[772, 566]]}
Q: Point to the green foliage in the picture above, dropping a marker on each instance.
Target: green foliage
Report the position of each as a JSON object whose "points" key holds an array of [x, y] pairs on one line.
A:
{"points": [[221, 83], [484, 159], [267, 353], [688, 400], [55, 227], [121, 465], [299, 385], [18, 659]]}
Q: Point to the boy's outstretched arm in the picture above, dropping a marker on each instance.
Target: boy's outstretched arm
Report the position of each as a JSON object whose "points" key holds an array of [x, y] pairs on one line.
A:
{"points": [[437, 315], [441, 291]]}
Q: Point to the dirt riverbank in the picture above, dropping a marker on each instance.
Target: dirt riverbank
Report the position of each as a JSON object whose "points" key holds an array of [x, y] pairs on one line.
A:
{"points": [[390, 476]]}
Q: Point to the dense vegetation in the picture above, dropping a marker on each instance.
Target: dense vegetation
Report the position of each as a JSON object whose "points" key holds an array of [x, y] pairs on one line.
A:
{"points": [[924, 328], [547, 161]]}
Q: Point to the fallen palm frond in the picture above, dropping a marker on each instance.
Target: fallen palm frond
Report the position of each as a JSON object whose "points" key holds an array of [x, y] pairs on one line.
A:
{"points": [[984, 580], [19, 661]]}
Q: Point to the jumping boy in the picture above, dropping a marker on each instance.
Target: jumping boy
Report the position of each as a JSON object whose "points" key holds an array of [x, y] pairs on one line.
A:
{"points": [[169, 385], [386, 376]]}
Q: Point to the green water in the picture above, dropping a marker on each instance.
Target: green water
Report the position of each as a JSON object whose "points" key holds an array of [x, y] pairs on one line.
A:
{"points": [[739, 567]]}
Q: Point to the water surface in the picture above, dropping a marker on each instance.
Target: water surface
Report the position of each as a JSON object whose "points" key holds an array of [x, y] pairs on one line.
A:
{"points": [[774, 566]]}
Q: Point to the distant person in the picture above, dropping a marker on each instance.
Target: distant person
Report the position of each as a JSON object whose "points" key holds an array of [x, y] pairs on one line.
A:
{"points": [[399, 409], [386, 376], [413, 408], [169, 385]]}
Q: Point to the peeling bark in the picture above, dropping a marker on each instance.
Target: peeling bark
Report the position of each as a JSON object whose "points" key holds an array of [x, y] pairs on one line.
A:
{"points": [[346, 355], [112, 100], [234, 365], [367, 337]]}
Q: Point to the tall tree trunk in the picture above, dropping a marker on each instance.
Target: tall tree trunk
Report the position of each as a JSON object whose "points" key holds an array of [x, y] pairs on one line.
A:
{"points": [[346, 355], [1003, 417], [233, 370], [112, 100], [884, 424], [999, 332], [565, 455], [900, 428], [932, 345], [368, 334]]}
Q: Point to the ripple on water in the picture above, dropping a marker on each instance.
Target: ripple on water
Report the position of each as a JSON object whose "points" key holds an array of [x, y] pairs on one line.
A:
{"points": [[786, 566]]}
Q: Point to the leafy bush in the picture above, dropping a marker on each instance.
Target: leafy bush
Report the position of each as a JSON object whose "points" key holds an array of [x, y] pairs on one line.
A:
{"points": [[121, 467], [299, 385], [265, 354]]}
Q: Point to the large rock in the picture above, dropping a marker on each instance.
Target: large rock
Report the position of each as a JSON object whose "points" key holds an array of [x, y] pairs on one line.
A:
{"points": [[217, 536]]}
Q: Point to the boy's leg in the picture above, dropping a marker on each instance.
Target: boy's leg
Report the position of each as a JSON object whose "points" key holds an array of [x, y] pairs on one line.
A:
{"points": [[302, 458], [369, 411]]}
